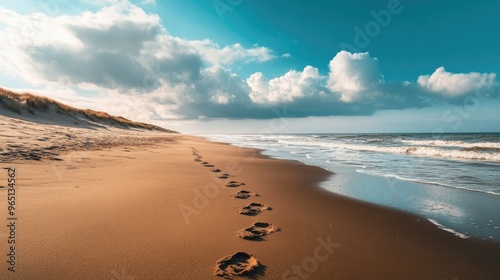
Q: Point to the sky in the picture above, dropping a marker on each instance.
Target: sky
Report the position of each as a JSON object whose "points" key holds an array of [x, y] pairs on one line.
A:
{"points": [[241, 66]]}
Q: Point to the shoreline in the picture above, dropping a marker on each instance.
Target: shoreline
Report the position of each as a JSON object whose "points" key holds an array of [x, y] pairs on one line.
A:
{"points": [[119, 210], [469, 212]]}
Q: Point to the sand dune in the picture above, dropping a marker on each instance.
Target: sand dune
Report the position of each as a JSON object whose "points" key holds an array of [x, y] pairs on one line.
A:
{"points": [[44, 110], [26, 140], [37, 128]]}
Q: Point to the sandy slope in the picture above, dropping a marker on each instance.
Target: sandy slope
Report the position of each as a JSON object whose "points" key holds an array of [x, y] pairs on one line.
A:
{"points": [[22, 139]]}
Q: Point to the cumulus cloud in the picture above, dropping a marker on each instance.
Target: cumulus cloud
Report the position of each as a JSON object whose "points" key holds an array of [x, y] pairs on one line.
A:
{"points": [[218, 93], [450, 84], [119, 47], [287, 88], [353, 74]]}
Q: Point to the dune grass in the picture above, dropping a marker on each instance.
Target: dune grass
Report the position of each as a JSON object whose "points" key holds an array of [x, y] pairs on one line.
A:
{"points": [[20, 103]]}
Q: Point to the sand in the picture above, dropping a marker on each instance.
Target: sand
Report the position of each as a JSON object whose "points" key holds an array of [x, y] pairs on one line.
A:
{"points": [[129, 207]]}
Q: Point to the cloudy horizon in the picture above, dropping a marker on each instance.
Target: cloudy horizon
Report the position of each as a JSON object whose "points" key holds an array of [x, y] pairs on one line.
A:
{"points": [[220, 71]]}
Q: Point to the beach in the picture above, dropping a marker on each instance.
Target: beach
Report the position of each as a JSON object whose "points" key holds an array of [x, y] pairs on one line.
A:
{"points": [[231, 139], [155, 211]]}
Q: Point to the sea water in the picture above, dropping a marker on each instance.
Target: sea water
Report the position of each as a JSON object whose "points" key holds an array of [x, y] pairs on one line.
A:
{"points": [[453, 180]]}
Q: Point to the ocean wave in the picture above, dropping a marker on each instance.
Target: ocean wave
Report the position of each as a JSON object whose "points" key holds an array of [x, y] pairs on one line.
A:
{"points": [[410, 150], [374, 141], [458, 144], [482, 149], [459, 234], [453, 154]]}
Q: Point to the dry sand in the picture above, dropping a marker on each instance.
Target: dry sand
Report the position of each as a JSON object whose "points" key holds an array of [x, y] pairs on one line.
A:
{"points": [[129, 207]]}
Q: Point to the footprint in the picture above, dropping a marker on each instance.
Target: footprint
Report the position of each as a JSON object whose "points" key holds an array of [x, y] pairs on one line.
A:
{"points": [[253, 209], [233, 184], [197, 160], [223, 176], [206, 164], [215, 170], [243, 194], [257, 231], [238, 264]]}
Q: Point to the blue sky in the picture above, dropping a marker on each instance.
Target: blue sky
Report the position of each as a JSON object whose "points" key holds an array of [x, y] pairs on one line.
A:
{"points": [[230, 65], [422, 37]]}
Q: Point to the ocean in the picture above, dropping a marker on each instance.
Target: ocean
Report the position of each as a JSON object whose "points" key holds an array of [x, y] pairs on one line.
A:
{"points": [[453, 180]]}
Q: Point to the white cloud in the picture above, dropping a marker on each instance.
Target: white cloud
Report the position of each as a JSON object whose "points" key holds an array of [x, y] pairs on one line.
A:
{"points": [[212, 52], [287, 88], [450, 84], [351, 75], [119, 46]]}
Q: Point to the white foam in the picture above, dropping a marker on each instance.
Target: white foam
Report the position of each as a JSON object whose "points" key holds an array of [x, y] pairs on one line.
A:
{"points": [[459, 144], [431, 152], [411, 150], [459, 234]]}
